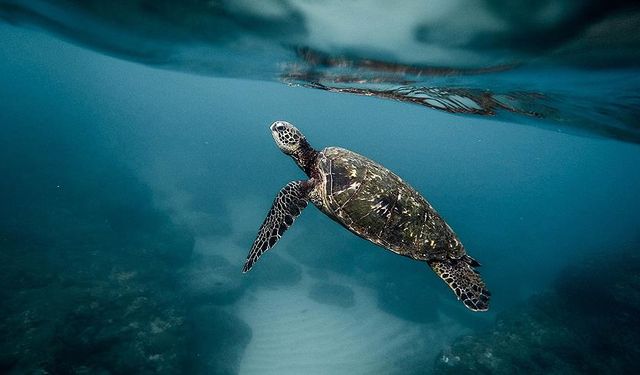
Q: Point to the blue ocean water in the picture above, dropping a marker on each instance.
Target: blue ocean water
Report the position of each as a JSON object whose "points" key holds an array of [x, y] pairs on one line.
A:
{"points": [[133, 189]]}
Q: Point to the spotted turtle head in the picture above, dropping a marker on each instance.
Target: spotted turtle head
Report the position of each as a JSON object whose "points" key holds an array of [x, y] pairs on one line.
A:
{"points": [[287, 137]]}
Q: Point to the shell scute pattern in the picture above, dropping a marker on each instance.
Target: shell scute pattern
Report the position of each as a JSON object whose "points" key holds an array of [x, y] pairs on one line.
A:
{"points": [[376, 204]]}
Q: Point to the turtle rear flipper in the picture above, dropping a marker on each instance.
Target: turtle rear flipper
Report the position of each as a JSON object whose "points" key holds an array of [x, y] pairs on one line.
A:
{"points": [[464, 280]]}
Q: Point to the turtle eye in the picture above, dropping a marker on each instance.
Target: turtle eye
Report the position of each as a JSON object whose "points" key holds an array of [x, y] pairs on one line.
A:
{"points": [[279, 127]]}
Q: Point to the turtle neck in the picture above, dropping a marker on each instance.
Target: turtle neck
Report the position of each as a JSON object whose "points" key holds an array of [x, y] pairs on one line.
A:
{"points": [[305, 156]]}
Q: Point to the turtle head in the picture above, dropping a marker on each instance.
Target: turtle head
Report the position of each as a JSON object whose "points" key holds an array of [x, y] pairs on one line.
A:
{"points": [[293, 143], [288, 137]]}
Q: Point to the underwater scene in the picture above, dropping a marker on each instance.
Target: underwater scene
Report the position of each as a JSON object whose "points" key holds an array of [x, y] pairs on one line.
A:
{"points": [[143, 144]]}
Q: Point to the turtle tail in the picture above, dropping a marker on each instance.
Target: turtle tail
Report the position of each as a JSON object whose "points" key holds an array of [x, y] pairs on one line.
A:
{"points": [[464, 280]]}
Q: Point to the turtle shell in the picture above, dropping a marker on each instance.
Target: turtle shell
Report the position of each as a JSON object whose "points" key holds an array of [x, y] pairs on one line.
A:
{"points": [[376, 204]]}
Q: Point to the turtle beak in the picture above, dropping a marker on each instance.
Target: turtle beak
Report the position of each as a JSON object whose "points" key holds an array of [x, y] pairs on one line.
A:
{"points": [[274, 132], [273, 126], [279, 125]]}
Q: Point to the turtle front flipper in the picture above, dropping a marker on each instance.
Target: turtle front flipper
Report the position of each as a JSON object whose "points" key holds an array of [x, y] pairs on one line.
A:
{"points": [[289, 202], [464, 280]]}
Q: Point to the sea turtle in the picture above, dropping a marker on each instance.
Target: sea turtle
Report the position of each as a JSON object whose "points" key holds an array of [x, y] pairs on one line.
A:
{"points": [[375, 204]]}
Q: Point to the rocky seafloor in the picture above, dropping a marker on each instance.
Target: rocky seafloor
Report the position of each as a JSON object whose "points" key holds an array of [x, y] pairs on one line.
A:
{"points": [[588, 322], [90, 269]]}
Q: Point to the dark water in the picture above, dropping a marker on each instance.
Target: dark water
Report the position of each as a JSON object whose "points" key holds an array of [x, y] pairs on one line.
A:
{"points": [[131, 194]]}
